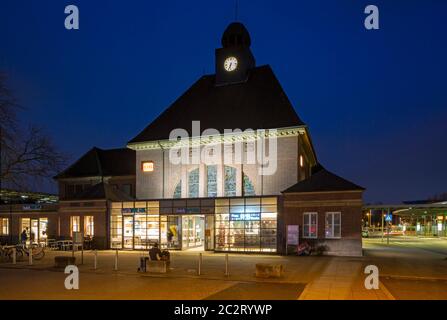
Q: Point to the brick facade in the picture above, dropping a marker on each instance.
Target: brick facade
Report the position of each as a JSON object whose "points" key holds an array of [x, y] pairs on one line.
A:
{"points": [[348, 203]]}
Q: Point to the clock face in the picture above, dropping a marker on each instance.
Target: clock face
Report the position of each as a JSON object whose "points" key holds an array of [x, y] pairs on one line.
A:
{"points": [[230, 64]]}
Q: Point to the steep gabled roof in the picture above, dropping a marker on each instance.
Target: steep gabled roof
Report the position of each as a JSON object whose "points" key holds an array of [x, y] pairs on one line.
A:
{"points": [[99, 162], [102, 191], [258, 103], [323, 180]]}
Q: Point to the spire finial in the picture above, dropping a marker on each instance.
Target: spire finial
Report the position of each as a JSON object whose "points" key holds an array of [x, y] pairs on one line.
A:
{"points": [[236, 10]]}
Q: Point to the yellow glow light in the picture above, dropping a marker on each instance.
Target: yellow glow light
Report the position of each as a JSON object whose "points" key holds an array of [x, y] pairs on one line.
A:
{"points": [[147, 166]]}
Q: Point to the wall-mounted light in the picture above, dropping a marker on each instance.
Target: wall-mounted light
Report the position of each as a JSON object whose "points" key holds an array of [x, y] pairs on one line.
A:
{"points": [[147, 166], [301, 161]]}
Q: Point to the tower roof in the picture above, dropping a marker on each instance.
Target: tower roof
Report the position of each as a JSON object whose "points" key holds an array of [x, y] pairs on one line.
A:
{"points": [[236, 35], [258, 103]]}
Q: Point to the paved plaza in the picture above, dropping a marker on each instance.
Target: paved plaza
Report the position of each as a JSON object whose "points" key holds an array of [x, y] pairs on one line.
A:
{"points": [[409, 268]]}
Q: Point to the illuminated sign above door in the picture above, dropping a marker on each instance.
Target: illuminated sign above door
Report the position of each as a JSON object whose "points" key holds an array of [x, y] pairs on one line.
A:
{"points": [[147, 166]]}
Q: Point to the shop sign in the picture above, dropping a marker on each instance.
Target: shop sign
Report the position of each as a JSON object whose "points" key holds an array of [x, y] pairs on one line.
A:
{"points": [[180, 210], [147, 166], [133, 210], [292, 235], [245, 216], [193, 210], [32, 207]]}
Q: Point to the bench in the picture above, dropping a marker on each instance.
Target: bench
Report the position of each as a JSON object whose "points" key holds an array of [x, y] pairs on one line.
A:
{"points": [[157, 266], [63, 261], [147, 265], [265, 270]]}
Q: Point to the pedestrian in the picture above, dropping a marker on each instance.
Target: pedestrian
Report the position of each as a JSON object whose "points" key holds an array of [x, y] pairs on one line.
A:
{"points": [[24, 237]]}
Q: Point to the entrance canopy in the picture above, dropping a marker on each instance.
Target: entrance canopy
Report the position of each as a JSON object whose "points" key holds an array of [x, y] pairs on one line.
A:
{"points": [[412, 209]]}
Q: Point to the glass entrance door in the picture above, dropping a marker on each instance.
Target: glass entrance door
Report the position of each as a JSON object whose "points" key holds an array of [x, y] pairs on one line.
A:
{"points": [[193, 232], [34, 235], [128, 232]]}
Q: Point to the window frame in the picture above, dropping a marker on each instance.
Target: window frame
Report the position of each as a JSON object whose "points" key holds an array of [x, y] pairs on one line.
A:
{"points": [[89, 225], [4, 227], [209, 193], [227, 182], [194, 173], [332, 213], [72, 224], [310, 224]]}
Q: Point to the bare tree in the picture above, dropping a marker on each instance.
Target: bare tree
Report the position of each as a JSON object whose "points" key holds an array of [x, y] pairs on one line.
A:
{"points": [[26, 155]]}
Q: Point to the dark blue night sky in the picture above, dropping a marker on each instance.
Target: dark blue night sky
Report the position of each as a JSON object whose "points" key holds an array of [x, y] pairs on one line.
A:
{"points": [[375, 101]]}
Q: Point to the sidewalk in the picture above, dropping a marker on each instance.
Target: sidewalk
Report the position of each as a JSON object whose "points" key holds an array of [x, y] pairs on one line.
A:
{"points": [[323, 277], [185, 264], [343, 280]]}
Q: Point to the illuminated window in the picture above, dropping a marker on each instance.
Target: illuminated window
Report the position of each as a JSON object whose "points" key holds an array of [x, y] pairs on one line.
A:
{"points": [[230, 181], [43, 232], [211, 172], [89, 226], [75, 224], [147, 166], [333, 225], [248, 224], [193, 183], [249, 189], [310, 225], [4, 227], [178, 190]]}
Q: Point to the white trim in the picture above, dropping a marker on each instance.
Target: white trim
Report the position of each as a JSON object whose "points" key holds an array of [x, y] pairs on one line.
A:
{"points": [[325, 224], [222, 138], [310, 220]]}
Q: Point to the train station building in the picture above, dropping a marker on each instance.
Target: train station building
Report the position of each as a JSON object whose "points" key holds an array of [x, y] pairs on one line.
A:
{"points": [[229, 166]]}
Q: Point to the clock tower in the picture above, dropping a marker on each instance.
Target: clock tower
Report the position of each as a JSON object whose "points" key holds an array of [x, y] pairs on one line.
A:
{"points": [[234, 60]]}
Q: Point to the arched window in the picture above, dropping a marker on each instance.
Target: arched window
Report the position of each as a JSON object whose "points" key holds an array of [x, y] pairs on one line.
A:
{"points": [[249, 189], [193, 183], [178, 190], [230, 181], [211, 178]]}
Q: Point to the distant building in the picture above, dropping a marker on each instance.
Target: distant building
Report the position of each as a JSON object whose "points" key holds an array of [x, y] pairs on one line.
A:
{"points": [[130, 198]]}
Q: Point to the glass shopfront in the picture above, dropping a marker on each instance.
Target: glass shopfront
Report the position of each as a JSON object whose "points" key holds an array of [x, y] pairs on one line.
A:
{"points": [[223, 224], [134, 225], [248, 225], [36, 229]]}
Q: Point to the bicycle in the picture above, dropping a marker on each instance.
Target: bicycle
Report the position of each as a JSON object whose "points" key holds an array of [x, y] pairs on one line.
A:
{"points": [[37, 251], [6, 252]]}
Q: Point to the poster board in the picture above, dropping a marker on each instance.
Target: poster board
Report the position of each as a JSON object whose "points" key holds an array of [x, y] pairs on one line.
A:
{"points": [[293, 235], [78, 237]]}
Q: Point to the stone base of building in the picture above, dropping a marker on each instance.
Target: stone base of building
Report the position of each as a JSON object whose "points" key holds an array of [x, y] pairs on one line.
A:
{"points": [[341, 247]]}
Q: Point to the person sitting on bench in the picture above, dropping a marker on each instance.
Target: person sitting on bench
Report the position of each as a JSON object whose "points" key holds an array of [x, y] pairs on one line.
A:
{"points": [[155, 252]]}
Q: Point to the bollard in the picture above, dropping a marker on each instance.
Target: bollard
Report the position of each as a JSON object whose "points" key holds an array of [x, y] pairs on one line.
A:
{"points": [[95, 261], [200, 264], [14, 256], [116, 260], [30, 256], [227, 273]]}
